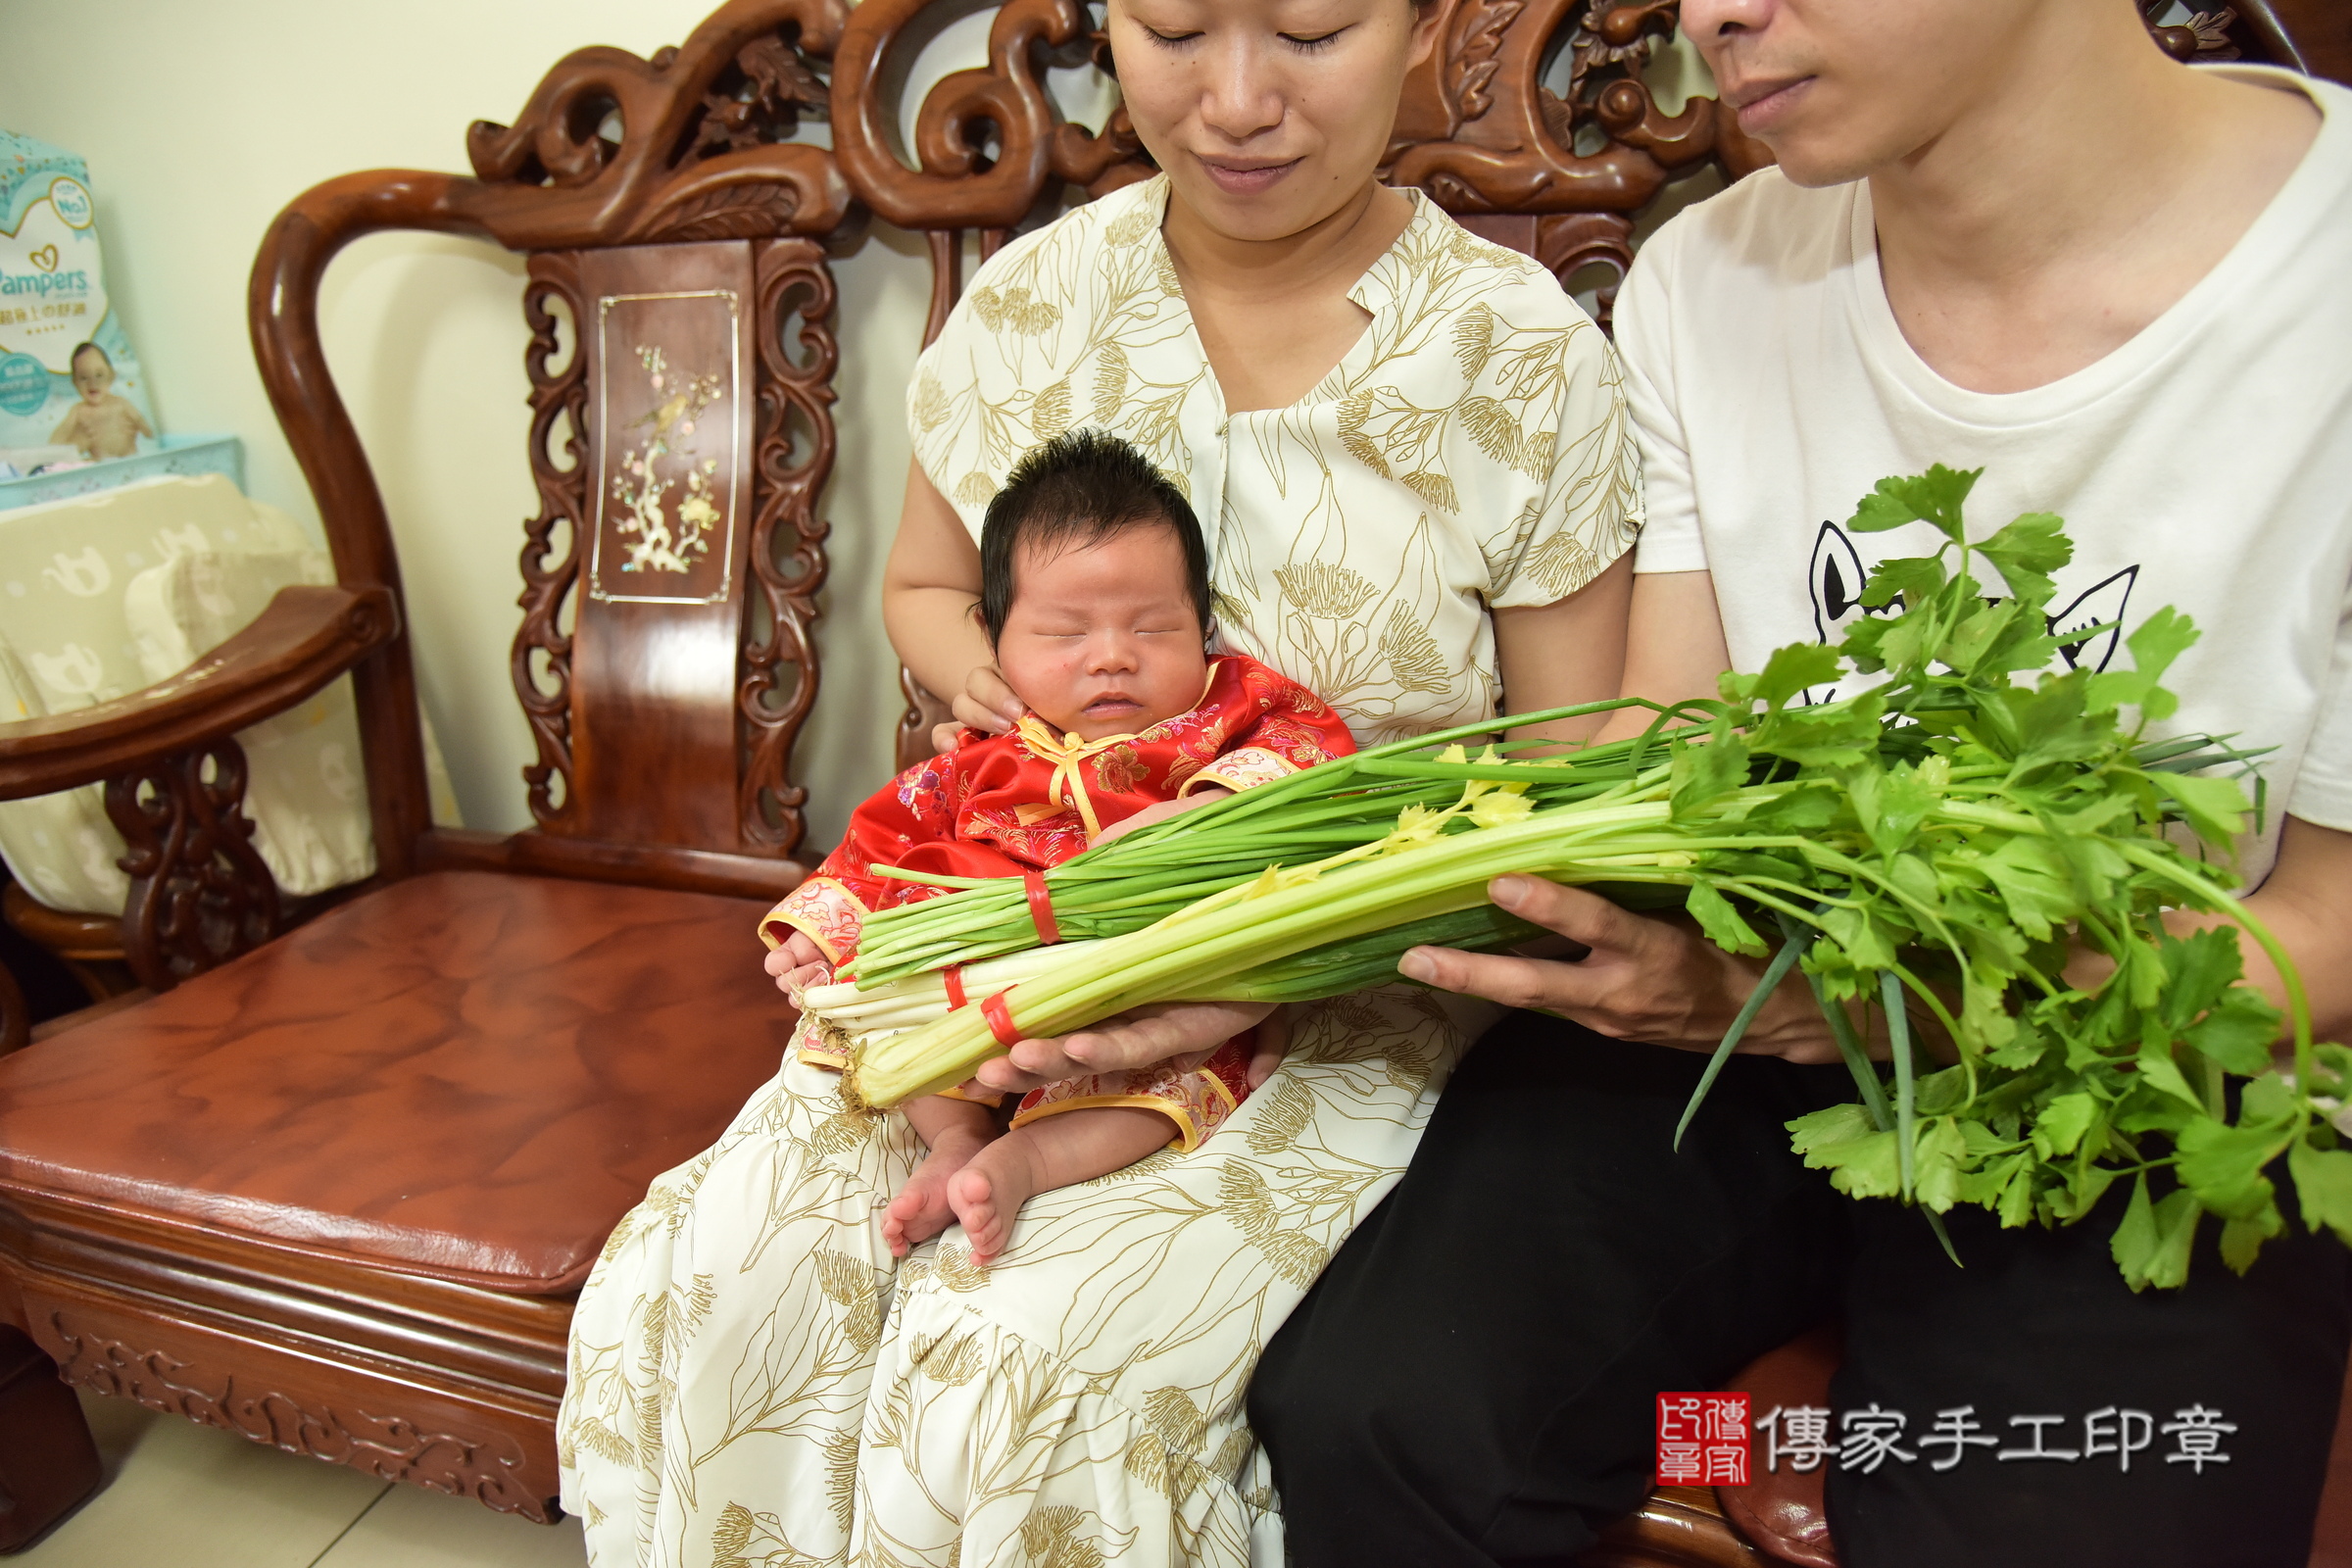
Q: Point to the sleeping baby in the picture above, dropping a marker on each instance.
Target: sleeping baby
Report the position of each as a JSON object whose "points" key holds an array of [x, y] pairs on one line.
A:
{"points": [[1094, 597]]}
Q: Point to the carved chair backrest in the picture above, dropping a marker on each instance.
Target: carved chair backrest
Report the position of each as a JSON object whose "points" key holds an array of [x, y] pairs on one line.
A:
{"points": [[683, 348], [681, 366]]}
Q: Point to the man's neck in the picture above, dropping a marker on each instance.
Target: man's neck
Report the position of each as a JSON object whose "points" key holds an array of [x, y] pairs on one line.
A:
{"points": [[2075, 203]]}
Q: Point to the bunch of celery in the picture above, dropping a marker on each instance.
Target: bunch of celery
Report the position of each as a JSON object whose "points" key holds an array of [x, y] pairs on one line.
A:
{"points": [[1936, 848]]}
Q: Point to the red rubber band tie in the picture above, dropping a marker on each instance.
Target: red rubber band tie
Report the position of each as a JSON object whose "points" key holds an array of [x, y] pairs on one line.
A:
{"points": [[1041, 908], [1000, 1020], [952, 974]]}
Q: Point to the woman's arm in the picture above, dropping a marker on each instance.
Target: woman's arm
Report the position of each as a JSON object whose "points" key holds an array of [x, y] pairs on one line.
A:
{"points": [[1565, 654], [930, 590]]}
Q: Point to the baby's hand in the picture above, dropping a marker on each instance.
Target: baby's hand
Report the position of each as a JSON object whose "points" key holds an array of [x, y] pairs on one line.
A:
{"points": [[1160, 813], [798, 962]]}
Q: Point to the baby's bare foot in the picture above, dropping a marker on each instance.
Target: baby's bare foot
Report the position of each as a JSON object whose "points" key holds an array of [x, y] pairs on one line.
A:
{"points": [[986, 1195], [921, 1210]]}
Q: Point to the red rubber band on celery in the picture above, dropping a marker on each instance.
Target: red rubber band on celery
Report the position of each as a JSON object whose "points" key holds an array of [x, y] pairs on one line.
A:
{"points": [[1041, 908], [952, 974], [1000, 1020]]}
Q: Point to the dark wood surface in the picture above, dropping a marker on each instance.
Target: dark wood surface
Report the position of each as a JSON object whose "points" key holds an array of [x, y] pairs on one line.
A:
{"points": [[664, 731], [15, 1017], [464, 1075], [51, 1465], [654, 653], [442, 1384], [199, 892], [600, 860]]}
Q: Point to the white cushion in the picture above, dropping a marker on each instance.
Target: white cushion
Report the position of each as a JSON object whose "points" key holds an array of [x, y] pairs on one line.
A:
{"points": [[105, 594]]}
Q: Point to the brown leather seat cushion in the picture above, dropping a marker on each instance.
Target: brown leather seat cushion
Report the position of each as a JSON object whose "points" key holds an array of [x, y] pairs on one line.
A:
{"points": [[465, 1075], [1782, 1511]]}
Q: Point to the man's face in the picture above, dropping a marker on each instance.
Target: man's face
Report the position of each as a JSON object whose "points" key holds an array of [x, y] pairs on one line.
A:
{"points": [[1838, 88]]}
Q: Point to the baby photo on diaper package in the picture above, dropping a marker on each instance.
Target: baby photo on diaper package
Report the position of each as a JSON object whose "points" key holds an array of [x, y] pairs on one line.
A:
{"points": [[71, 388]]}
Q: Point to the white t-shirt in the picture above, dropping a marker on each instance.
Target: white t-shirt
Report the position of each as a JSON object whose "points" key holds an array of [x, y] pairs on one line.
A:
{"points": [[2206, 464]]}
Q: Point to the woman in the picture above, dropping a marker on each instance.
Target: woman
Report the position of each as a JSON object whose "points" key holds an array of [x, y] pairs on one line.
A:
{"points": [[1411, 453]]}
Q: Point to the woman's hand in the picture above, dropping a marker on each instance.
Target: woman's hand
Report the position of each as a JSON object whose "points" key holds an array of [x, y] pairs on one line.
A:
{"points": [[797, 963], [1271, 1045], [1656, 981], [1183, 1032], [986, 703]]}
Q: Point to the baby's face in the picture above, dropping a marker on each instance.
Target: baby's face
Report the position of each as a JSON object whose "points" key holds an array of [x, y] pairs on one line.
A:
{"points": [[1102, 638], [92, 375]]}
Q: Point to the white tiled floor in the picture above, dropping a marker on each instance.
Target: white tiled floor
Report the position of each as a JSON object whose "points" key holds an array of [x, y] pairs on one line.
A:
{"points": [[180, 1496]]}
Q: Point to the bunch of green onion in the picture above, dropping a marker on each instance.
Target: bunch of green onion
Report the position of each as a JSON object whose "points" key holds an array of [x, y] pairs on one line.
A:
{"points": [[1933, 853]]}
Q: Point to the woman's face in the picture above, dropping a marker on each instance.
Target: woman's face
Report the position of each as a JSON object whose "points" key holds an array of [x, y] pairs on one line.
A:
{"points": [[1268, 116]]}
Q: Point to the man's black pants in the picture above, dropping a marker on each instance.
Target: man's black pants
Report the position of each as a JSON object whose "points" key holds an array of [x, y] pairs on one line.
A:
{"points": [[1474, 1380]]}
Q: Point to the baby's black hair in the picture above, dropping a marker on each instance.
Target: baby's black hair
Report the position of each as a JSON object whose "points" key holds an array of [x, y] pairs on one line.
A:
{"points": [[91, 348], [1080, 489]]}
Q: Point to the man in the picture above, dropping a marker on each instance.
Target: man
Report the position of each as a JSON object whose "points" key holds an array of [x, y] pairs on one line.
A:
{"points": [[2007, 234]]}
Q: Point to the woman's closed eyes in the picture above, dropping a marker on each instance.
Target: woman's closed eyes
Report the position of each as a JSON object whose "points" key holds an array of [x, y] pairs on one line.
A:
{"points": [[1303, 43]]}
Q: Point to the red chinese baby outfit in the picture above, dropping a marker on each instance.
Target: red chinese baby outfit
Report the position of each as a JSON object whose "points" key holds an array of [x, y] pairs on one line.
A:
{"points": [[1011, 804]]}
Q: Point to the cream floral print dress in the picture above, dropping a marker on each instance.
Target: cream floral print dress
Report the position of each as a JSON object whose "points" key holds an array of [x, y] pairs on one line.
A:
{"points": [[753, 1385]]}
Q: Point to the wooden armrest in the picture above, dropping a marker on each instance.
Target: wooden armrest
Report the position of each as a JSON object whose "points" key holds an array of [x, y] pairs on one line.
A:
{"points": [[307, 637]]}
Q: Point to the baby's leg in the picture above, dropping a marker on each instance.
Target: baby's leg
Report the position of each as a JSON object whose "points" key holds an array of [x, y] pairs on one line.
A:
{"points": [[954, 1129], [1059, 1150]]}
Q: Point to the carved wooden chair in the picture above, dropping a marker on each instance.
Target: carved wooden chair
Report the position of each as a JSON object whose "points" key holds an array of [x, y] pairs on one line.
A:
{"points": [[333, 1186]]}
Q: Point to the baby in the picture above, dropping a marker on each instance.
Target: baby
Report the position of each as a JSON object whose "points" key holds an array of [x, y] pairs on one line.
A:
{"points": [[102, 425], [1094, 597]]}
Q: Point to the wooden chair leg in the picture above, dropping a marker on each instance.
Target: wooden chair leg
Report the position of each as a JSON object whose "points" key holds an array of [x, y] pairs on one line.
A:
{"points": [[48, 1464], [15, 1017]]}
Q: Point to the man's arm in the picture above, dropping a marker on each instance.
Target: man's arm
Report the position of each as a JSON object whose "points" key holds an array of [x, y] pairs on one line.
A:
{"points": [[1658, 980], [1675, 649], [2306, 903]]}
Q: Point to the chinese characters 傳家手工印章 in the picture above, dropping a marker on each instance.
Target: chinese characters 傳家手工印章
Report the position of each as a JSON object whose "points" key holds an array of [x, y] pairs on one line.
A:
{"points": [[1868, 1437]]}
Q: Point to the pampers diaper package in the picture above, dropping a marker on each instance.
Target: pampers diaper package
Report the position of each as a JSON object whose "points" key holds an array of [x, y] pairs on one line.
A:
{"points": [[68, 376]]}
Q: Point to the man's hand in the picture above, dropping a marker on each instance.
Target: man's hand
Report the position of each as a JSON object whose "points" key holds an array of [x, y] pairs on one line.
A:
{"points": [[1656, 981], [1159, 812], [1182, 1032], [798, 962]]}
